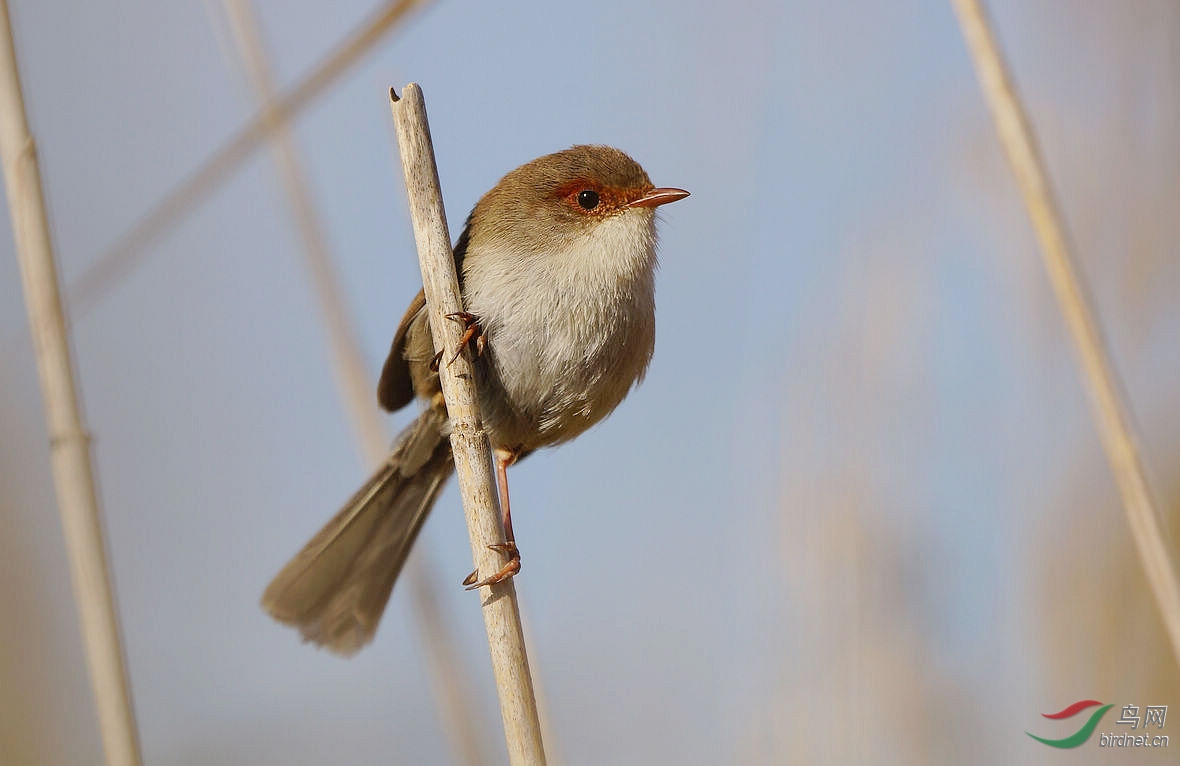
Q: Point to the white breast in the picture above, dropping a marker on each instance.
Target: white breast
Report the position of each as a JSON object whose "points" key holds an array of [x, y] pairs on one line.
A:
{"points": [[569, 332]]}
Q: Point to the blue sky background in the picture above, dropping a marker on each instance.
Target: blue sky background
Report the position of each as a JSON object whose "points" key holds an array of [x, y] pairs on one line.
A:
{"points": [[857, 513]]}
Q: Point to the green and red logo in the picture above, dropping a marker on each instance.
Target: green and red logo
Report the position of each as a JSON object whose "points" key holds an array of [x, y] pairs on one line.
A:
{"points": [[1082, 734], [1133, 725]]}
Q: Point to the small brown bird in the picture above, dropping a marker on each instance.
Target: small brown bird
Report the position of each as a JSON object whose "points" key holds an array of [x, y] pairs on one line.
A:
{"points": [[557, 270]]}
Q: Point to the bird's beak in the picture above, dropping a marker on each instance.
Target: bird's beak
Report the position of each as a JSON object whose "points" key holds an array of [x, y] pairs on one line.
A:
{"points": [[657, 197]]}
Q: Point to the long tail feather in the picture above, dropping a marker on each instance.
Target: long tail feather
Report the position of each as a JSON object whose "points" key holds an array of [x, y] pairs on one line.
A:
{"points": [[335, 589]]}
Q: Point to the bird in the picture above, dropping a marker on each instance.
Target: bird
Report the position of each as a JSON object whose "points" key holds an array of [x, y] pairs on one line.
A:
{"points": [[556, 267]]}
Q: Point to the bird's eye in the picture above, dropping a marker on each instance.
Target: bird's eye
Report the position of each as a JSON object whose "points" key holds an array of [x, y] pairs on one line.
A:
{"points": [[588, 199]]}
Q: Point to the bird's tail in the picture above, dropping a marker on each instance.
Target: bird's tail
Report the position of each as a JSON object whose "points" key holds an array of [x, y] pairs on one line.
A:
{"points": [[335, 589]]}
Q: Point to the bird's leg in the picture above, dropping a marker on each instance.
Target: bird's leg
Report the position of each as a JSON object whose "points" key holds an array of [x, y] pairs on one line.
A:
{"points": [[503, 458]]}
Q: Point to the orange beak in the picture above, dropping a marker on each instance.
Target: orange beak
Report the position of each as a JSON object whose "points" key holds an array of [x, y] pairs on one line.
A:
{"points": [[657, 197]]}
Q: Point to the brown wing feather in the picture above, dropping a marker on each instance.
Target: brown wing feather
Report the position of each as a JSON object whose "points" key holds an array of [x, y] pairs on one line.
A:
{"points": [[396, 389]]}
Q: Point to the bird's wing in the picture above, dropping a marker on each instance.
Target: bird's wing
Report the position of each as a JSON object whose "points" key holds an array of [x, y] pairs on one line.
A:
{"points": [[396, 387]]}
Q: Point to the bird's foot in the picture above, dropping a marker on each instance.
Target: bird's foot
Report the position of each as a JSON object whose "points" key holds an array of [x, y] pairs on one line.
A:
{"points": [[510, 568], [471, 332]]}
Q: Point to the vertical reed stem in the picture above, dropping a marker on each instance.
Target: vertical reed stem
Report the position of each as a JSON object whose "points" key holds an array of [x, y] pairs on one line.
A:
{"points": [[1110, 412], [68, 440], [473, 464], [455, 703]]}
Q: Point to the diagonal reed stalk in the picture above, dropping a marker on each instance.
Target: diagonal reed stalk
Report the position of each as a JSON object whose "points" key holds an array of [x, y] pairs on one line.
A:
{"points": [[473, 464], [69, 442], [1112, 415], [452, 693], [131, 248]]}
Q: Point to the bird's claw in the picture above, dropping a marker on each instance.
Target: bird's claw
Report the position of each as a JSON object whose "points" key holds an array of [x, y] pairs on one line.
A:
{"points": [[471, 332], [510, 568]]}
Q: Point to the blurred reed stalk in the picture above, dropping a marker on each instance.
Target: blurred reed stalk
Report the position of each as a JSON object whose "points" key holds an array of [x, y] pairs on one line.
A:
{"points": [[452, 694], [473, 464], [1112, 415], [73, 472], [131, 248]]}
